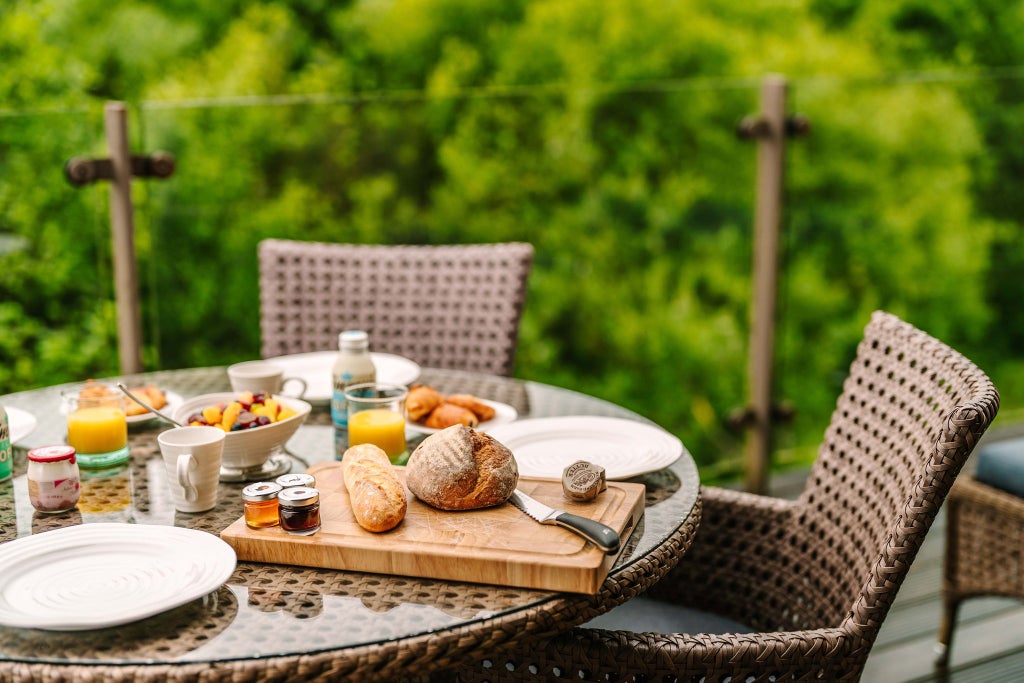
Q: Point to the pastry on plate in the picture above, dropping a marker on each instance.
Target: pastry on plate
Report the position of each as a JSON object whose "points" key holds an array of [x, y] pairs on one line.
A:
{"points": [[483, 411], [448, 414], [421, 400], [151, 394]]}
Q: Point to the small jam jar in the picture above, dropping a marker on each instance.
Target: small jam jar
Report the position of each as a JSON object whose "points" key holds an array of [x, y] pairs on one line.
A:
{"points": [[53, 481], [259, 501], [299, 510], [297, 479]]}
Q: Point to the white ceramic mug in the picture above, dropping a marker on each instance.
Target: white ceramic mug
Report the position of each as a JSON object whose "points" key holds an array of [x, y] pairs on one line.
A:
{"points": [[192, 458], [259, 375]]}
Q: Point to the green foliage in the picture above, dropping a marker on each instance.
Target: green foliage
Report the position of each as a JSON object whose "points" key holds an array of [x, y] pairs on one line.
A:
{"points": [[602, 132]]}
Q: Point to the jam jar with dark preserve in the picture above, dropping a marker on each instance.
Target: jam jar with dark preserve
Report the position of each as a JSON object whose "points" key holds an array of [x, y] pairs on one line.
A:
{"points": [[299, 510]]}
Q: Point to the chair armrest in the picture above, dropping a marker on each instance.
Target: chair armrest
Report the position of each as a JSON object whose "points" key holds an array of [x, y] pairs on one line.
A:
{"points": [[738, 554], [983, 542], [970, 491]]}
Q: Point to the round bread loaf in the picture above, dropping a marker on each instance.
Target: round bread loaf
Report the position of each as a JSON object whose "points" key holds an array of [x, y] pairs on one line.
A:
{"points": [[459, 468]]}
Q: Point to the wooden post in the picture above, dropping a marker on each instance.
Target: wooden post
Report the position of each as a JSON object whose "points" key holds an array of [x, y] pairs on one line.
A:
{"points": [[771, 147], [122, 228]]}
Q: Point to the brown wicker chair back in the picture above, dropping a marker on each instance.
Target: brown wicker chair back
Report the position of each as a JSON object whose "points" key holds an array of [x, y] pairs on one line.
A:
{"points": [[456, 307], [816, 576]]}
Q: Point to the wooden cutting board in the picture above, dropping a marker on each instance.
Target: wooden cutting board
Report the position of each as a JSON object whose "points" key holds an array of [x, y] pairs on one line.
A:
{"points": [[498, 545]]}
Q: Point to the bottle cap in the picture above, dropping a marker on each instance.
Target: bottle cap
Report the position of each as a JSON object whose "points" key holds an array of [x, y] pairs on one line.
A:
{"points": [[52, 454], [260, 491], [296, 479], [353, 340], [298, 496]]}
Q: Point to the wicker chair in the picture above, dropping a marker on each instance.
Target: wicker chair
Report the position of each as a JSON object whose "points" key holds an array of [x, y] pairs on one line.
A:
{"points": [[811, 578], [984, 551], [455, 307]]}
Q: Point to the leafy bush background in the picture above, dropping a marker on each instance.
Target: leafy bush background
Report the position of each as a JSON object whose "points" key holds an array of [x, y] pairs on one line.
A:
{"points": [[600, 131]]}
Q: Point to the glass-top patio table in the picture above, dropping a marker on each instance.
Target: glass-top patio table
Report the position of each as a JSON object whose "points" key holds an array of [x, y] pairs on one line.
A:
{"points": [[297, 622]]}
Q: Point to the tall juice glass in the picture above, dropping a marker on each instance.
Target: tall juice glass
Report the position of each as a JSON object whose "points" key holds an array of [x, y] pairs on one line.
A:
{"points": [[97, 429], [376, 414]]}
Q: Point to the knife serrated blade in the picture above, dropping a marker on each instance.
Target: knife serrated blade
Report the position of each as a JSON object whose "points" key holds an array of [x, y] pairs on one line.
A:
{"points": [[601, 535]]}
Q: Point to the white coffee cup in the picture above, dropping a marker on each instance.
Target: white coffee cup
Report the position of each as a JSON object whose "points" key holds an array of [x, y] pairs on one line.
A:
{"points": [[192, 457], [259, 375]]}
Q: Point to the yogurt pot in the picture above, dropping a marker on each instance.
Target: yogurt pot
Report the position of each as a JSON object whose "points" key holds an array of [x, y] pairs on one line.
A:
{"points": [[53, 480]]}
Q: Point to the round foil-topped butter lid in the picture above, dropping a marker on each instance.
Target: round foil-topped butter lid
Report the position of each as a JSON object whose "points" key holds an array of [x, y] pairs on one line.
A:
{"points": [[583, 480]]}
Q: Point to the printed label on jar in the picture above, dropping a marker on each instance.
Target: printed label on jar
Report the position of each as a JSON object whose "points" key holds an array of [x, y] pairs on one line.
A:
{"points": [[53, 496], [6, 451]]}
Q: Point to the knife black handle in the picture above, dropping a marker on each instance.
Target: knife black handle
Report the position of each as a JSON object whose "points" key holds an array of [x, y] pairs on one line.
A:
{"points": [[601, 535]]}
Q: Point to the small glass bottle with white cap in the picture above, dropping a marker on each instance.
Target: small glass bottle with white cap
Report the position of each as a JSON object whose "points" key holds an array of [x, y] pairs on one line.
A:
{"points": [[354, 365]]}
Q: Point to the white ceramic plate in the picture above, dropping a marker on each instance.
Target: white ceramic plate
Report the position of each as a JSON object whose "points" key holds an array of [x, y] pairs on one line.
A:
{"points": [[173, 401], [503, 414], [543, 447], [20, 423], [315, 368], [98, 575]]}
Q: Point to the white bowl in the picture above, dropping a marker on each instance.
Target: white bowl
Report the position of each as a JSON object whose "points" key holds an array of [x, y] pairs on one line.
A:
{"points": [[248, 449]]}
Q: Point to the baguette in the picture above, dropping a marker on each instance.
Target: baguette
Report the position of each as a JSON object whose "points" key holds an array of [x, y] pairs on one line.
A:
{"points": [[376, 495]]}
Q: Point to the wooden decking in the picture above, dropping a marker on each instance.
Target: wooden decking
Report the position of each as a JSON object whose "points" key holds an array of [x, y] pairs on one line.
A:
{"points": [[988, 641]]}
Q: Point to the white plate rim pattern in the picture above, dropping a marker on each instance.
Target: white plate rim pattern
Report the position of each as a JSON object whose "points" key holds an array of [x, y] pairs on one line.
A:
{"points": [[20, 423], [173, 401], [647, 447], [503, 414], [397, 370], [207, 561]]}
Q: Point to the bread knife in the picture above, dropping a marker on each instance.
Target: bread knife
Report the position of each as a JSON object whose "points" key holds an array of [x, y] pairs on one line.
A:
{"points": [[601, 535]]}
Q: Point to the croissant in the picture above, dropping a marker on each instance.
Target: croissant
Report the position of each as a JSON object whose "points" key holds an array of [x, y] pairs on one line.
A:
{"points": [[448, 414], [470, 402], [420, 401]]}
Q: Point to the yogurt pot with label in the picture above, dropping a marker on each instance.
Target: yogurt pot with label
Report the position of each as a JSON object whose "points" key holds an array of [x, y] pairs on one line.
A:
{"points": [[53, 480]]}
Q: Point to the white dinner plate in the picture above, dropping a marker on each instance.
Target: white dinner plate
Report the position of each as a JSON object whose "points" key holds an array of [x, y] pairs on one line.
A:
{"points": [[173, 401], [98, 575], [315, 368], [545, 446], [20, 423], [503, 414]]}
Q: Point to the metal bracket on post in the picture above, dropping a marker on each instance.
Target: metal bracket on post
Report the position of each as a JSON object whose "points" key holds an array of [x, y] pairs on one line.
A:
{"points": [[770, 129], [82, 171], [119, 168]]}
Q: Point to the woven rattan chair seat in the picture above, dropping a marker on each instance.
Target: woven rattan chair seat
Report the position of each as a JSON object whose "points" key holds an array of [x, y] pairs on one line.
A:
{"points": [[815, 577]]}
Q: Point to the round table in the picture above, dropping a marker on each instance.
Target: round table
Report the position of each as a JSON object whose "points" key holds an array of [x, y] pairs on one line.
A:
{"points": [[305, 622]]}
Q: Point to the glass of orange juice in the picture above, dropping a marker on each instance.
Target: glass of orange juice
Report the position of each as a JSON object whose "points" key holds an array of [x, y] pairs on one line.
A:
{"points": [[376, 414], [97, 428]]}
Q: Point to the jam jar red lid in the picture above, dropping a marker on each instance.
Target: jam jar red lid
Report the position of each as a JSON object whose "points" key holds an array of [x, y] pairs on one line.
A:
{"points": [[52, 454]]}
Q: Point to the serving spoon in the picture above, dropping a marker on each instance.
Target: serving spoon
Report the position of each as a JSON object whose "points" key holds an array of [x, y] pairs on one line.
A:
{"points": [[148, 407]]}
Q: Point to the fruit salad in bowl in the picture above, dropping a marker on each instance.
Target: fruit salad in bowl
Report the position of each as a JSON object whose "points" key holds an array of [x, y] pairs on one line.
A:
{"points": [[247, 411], [257, 424]]}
